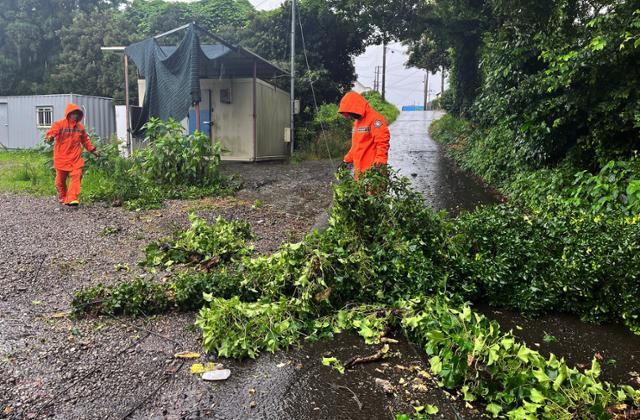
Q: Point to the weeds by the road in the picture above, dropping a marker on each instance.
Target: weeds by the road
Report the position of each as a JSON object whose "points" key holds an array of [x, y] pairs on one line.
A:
{"points": [[26, 171]]}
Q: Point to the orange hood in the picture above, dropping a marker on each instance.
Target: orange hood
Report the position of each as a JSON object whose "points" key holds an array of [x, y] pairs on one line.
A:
{"points": [[73, 107], [354, 103]]}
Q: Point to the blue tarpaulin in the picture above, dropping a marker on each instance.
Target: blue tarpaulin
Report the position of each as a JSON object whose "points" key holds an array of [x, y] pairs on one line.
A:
{"points": [[413, 108]]}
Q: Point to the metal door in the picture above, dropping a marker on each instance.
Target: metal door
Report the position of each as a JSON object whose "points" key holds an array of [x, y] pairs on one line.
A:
{"points": [[4, 125], [205, 122]]}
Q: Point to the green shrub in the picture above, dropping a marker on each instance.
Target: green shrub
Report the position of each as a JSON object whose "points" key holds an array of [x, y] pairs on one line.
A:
{"points": [[491, 154], [172, 166], [172, 158], [562, 259], [450, 130]]}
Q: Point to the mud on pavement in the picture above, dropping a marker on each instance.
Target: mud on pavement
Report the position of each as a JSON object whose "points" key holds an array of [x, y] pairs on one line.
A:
{"points": [[58, 367]]}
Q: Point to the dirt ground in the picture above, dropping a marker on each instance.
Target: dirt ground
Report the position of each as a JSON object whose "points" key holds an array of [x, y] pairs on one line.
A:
{"points": [[54, 366]]}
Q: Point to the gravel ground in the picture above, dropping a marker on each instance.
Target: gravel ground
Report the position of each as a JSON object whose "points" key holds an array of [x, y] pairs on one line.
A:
{"points": [[54, 366]]}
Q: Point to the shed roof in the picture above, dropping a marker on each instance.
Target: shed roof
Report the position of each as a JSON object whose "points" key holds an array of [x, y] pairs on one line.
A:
{"points": [[173, 73], [220, 60]]}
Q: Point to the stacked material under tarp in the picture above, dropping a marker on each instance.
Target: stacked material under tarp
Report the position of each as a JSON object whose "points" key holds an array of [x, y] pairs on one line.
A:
{"points": [[172, 81], [172, 73]]}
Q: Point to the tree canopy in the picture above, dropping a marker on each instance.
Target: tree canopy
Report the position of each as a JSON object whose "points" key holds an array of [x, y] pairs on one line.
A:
{"points": [[53, 46], [563, 75]]}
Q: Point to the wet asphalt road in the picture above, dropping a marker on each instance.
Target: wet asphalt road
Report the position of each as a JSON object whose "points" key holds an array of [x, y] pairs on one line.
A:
{"points": [[417, 156]]}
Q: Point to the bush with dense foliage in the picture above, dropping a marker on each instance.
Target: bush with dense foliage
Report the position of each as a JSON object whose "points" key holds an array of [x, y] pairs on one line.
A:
{"points": [[172, 165]]}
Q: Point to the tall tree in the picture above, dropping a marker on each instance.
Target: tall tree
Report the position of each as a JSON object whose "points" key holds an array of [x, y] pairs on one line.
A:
{"points": [[82, 67], [433, 30], [330, 42], [29, 41], [449, 32]]}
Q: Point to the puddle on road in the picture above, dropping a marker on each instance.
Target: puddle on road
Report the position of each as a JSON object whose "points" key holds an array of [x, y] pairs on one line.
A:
{"points": [[417, 156], [617, 348]]}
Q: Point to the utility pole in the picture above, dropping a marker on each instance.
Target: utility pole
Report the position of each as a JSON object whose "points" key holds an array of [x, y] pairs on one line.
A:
{"points": [[127, 107], [376, 79], [442, 82], [293, 71], [384, 66], [426, 90]]}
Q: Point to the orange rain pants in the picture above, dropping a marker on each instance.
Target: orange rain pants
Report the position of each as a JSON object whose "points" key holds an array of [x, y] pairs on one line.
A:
{"points": [[66, 195]]}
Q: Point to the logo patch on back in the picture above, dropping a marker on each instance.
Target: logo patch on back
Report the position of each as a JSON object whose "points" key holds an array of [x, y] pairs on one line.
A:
{"points": [[377, 123]]}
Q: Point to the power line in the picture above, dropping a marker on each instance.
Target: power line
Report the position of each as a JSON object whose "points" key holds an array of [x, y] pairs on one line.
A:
{"points": [[313, 91]]}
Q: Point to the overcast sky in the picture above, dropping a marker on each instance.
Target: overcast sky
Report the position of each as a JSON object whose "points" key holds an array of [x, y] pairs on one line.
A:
{"points": [[404, 86]]}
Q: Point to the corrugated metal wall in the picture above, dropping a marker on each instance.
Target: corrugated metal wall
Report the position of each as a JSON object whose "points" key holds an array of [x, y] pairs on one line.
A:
{"points": [[100, 114], [23, 130]]}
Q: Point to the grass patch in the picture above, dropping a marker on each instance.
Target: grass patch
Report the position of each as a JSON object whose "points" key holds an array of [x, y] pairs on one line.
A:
{"points": [[26, 171]]}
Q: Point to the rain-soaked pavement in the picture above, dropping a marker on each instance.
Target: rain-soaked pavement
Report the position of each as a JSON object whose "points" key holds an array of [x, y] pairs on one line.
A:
{"points": [[113, 368], [417, 156]]}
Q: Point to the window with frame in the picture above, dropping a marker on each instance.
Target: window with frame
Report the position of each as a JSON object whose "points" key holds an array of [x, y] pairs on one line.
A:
{"points": [[44, 116]]}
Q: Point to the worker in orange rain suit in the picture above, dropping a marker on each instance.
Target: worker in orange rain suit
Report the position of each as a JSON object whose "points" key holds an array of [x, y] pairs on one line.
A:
{"points": [[69, 135], [370, 135]]}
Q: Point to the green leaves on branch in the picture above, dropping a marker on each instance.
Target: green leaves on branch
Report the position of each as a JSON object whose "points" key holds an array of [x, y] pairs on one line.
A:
{"points": [[471, 353], [202, 243], [368, 272], [232, 328]]}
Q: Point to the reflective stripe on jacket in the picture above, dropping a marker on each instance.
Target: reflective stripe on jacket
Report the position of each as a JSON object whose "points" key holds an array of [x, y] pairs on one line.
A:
{"points": [[370, 135]]}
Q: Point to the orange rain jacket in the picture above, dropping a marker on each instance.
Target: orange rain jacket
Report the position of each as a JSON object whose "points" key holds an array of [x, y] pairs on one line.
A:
{"points": [[69, 138], [370, 135]]}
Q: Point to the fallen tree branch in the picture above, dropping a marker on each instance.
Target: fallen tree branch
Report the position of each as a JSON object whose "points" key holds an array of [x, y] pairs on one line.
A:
{"points": [[377, 356]]}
